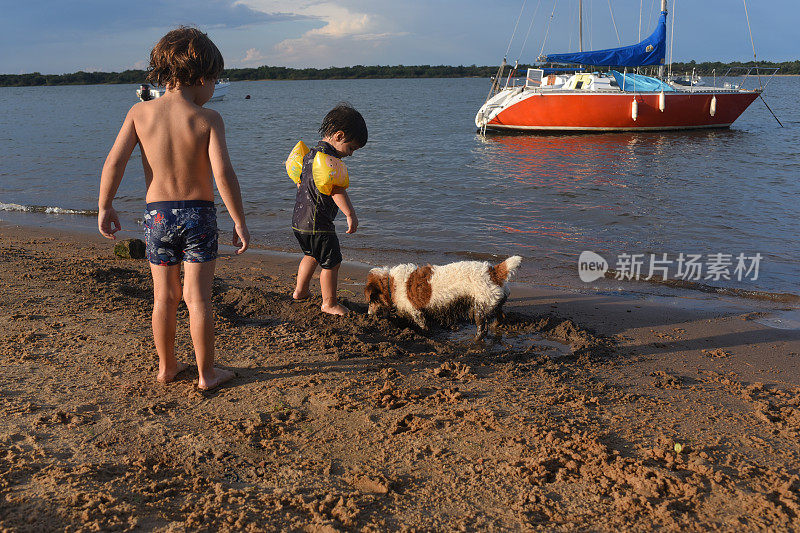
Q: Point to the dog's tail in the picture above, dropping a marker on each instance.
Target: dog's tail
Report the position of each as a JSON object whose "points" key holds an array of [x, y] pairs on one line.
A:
{"points": [[501, 272]]}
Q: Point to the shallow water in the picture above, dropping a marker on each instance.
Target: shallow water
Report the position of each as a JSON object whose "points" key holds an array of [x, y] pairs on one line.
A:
{"points": [[427, 188]]}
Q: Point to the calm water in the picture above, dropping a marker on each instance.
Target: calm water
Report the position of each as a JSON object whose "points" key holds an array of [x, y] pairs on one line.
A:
{"points": [[428, 188]]}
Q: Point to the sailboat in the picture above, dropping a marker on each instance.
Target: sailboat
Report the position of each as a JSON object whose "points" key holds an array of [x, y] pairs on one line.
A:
{"points": [[574, 99]]}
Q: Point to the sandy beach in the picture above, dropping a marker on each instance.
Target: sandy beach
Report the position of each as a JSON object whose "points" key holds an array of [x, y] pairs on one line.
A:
{"points": [[583, 413]]}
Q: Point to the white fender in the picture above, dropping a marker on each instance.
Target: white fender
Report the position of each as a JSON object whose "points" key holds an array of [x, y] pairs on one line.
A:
{"points": [[634, 110], [662, 101], [713, 109]]}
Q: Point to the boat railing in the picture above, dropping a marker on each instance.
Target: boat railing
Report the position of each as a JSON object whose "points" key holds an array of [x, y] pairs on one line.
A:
{"points": [[764, 75]]}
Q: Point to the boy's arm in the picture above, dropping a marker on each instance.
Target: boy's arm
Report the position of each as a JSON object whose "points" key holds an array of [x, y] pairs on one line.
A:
{"points": [[227, 183], [113, 170], [342, 200]]}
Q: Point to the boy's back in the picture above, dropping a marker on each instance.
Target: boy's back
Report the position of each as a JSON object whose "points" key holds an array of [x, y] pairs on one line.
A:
{"points": [[174, 136]]}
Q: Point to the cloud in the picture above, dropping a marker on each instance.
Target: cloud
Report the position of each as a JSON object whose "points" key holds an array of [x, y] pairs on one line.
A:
{"points": [[343, 36], [253, 56]]}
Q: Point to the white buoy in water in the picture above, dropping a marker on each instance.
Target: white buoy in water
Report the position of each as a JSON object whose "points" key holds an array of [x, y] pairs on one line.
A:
{"points": [[662, 101], [634, 110], [713, 109]]}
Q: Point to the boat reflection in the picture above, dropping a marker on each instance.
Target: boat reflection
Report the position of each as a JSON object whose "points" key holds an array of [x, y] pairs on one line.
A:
{"points": [[574, 188], [569, 161]]}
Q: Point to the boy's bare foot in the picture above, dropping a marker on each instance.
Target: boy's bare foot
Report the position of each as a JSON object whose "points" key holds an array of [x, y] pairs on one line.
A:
{"points": [[220, 376], [167, 377], [337, 309], [301, 295]]}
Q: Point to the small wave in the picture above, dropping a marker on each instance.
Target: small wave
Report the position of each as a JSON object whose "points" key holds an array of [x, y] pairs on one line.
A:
{"points": [[50, 210], [783, 297]]}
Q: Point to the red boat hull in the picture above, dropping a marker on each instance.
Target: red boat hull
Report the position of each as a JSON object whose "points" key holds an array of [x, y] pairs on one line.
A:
{"points": [[613, 112]]}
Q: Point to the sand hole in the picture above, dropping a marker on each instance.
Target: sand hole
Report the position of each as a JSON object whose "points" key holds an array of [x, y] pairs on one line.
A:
{"points": [[514, 342]]}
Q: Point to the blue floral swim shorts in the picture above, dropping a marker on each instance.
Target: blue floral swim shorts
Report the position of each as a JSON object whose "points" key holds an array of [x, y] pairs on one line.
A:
{"points": [[180, 231]]}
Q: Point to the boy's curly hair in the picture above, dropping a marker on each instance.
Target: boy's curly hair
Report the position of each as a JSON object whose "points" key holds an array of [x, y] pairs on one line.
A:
{"points": [[345, 118], [184, 56]]}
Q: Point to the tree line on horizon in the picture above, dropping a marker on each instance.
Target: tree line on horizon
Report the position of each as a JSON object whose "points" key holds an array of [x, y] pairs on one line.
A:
{"points": [[705, 68]]}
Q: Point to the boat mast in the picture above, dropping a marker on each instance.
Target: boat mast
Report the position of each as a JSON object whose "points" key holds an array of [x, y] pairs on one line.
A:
{"points": [[661, 67], [580, 25]]}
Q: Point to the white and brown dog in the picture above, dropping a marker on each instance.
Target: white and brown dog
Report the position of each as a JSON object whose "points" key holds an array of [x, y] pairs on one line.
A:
{"points": [[441, 290]]}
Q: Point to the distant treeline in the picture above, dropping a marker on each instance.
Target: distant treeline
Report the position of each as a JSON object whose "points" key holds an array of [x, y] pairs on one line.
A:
{"points": [[346, 73]]}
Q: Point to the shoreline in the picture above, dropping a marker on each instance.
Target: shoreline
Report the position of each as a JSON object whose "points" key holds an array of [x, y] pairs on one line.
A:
{"points": [[671, 289], [585, 411]]}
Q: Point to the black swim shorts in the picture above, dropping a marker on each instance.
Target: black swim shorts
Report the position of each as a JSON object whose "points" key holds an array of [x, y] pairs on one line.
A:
{"points": [[324, 247]]}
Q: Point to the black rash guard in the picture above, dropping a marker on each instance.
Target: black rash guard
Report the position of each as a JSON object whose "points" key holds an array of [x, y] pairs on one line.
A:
{"points": [[313, 211]]}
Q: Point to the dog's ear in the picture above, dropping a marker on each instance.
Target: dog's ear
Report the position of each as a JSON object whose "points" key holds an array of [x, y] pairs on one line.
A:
{"points": [[372, 289], [369, 293]]}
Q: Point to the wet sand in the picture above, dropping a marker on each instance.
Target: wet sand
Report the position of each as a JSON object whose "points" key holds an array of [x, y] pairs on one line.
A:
{"points": [[584, 412]]}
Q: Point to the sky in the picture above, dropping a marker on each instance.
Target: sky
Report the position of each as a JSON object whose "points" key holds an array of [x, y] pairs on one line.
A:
{"points": [[59, 36]]}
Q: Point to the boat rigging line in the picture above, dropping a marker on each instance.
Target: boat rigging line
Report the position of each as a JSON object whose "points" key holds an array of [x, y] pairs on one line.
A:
{"points": [[505, 56], [747, 16], [753, 44], [650, 16], [614, 21], [770, 110], [672, 36], [498, 77], [639, 35], [547, 31], [529, 30]]}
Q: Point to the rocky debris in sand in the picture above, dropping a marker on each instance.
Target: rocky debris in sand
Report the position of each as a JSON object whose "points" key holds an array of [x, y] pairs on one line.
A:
{"points": [[130, 249], [535, 508], [261, 430], [331, 511], [453, 370], [664, 380], [62, 418], [409, 423], [375, 483], [780, 408], [716, 353], [446, 396], [392, 397], [17, 406]]}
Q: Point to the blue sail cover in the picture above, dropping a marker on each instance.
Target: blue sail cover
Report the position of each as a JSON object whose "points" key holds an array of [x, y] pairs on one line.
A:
{"points": [[640, 83], [650, 51]]}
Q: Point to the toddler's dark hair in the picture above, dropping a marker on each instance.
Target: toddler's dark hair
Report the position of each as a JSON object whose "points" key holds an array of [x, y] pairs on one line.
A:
{"points": [[345, 118], [184, 56]]}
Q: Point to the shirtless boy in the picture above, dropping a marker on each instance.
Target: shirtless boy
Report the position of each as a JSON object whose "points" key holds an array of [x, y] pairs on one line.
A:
{"points": [[183, 149]]}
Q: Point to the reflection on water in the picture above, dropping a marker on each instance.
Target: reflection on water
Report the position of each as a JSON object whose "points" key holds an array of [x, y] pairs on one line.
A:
{"points": [[629, 192]]}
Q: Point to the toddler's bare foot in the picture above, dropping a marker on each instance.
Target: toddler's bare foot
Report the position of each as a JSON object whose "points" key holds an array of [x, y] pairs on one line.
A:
{"points": [[301, 295], [217, 378], [169, 376], [337, 309]]}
